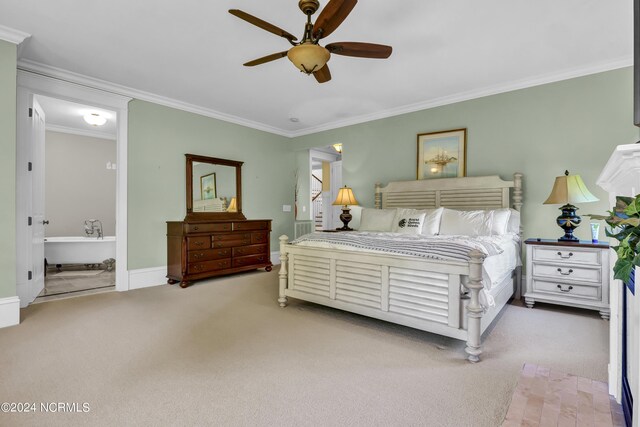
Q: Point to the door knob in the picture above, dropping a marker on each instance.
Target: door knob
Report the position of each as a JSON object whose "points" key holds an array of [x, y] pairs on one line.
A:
{"points": [[45, 222]]}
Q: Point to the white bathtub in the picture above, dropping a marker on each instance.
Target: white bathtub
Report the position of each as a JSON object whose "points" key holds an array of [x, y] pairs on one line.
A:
{"points": [[79, 250]]}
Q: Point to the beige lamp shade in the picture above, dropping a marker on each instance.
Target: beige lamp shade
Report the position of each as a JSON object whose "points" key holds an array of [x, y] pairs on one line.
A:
{"points": [[308, 57], [569, 189], [233, 206], [345, 197]]}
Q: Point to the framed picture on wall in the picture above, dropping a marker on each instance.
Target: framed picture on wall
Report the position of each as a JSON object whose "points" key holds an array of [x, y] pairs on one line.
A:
{"points": [[442, 154], [208, 186]]}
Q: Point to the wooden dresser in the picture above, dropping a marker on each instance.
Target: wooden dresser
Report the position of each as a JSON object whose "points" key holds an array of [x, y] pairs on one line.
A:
{"points": [[202, 249]]}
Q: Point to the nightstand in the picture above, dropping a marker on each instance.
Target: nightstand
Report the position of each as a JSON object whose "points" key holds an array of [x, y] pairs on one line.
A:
{"points": [[568, 273]]}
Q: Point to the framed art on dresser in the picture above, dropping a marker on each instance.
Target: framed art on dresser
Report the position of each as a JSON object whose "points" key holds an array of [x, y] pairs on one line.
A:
{"points": [[442, 154]]}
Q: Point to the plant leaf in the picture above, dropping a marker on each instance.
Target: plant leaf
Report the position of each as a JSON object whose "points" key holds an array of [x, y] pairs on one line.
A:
{"points": [[622, 269]]}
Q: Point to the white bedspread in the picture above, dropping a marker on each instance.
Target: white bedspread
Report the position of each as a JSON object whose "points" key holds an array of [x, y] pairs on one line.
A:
{"points": [[502, 250]]}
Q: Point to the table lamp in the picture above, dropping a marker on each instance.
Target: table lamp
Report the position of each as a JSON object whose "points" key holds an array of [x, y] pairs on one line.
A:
{"points": [[233, 206], [345, 199], [569, 189]]}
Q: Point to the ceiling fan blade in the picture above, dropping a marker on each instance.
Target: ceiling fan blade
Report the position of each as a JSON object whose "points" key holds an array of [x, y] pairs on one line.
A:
{"points": [[267, 58], [262, 24], [332, 16], [360, 50], [323, 75]]}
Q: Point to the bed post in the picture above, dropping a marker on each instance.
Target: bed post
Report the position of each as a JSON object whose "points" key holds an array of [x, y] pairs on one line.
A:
{"points": [[282, 298], [517, 205], [378, 200], [474, 309]]}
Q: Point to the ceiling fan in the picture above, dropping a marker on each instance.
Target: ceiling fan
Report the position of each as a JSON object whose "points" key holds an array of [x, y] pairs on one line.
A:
{"points": [[307, 54]]}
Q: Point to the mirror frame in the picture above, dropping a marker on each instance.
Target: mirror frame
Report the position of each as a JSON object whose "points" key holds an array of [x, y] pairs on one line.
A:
{"points": [[208, 216]]}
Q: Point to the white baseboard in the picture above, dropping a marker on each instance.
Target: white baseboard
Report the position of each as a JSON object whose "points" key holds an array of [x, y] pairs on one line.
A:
{"points": [[9, 311], [147, 277]]}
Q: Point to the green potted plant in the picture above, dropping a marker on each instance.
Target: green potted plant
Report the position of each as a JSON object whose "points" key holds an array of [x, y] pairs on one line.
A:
{"points": [[624, 220]]}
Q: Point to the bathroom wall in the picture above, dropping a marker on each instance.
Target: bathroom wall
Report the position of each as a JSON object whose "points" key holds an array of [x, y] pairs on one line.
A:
{"points": [[78, 184]]}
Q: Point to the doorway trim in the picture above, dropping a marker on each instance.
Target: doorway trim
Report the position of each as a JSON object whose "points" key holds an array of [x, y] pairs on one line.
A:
{"points": [[37, 84]]}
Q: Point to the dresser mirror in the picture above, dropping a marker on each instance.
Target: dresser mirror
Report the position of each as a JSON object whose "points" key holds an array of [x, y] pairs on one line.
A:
{"points": [[214, 188]]}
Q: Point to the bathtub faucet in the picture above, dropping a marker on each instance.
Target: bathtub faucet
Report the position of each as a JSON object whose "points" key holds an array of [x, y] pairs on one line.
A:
{"points": [[93, 226]]}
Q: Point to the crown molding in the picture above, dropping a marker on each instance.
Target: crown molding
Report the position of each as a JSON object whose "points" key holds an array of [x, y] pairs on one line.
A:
{"points": [[69, 76], [12, 35], [81, 132], [72, 77], [626, 61]]}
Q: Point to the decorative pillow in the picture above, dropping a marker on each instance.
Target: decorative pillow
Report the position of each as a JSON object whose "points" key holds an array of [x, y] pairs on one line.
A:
{"points": [[377, 219], [474, 223], [408, 221]]}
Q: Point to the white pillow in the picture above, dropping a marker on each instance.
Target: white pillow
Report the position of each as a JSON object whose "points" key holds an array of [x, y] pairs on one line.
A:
{"points": [[514, 222], [474, 223], [377, 219], [408, 221], [431, 226]]}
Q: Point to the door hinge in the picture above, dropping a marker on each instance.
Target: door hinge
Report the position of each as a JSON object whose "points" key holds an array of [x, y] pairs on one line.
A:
{"points": [[30, 112], [30, 275], [29, 220], [29, 166]]}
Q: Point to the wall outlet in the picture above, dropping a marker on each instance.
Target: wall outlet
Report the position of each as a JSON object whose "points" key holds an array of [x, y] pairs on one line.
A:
{"points": [[286, 208]]}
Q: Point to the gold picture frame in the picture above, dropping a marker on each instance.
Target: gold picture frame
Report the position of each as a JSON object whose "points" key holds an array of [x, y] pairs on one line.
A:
{"points": [[442, 154]]}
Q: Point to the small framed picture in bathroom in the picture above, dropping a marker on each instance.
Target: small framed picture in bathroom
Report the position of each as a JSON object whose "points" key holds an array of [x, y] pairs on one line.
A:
{"points": [[208, 186]]}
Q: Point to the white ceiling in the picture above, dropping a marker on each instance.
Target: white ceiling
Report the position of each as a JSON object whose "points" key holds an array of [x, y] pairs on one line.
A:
{"points": [[192, 51], [65, 116]]}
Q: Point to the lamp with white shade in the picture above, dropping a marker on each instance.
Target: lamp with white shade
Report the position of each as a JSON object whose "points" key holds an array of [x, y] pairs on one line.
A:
{"points": [[569, 189]]}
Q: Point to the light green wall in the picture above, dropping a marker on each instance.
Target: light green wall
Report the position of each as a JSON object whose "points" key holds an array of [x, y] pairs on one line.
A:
{"points": [[7, 169], [539, 131], [159, 137]]}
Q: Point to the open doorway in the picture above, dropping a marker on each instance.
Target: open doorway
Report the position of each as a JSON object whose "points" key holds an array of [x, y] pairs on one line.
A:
{"points": [[31, 221], [79, 198], [326, 180]]}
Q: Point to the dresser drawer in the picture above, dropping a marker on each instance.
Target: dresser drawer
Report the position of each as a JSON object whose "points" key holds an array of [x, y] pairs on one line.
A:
{"points": [[251, 225], [210, 227], [567, 255], [568, 290], [231, 243], [249, 250], [249, 260], [203, 267], [231, 236], [199, 242], [208, 254], [260, 237], [568, 273]]}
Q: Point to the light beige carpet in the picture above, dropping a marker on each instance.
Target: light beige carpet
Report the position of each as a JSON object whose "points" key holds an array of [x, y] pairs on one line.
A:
{"points": [[222, 352]]}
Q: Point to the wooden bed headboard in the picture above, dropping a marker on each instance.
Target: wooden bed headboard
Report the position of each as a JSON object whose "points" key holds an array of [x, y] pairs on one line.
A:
{"points": [[469, 193]]}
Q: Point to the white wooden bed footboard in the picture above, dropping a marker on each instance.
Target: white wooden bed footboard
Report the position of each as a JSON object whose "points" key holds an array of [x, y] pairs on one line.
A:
{"points": [[422, 294]]}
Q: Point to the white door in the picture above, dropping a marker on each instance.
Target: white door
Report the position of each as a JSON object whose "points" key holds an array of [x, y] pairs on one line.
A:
{"points": [[37, 206], [30, 198]]}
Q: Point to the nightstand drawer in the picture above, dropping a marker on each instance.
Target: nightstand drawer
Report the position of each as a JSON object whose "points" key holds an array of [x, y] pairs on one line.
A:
{"points": [[567, 255], [567, 273], [568, 290]]}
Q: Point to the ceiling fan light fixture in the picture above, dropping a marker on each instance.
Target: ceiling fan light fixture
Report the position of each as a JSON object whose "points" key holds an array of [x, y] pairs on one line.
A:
{"points": [[308, 57]]}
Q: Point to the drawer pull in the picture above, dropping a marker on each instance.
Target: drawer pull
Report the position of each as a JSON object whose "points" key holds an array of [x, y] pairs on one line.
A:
{"points": [[565, 290], [196, 228], [197, 267], [565, 274], [198, 256], [565, 256], [240, 251], [261, 258], [199, 243], [221, 264]]}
